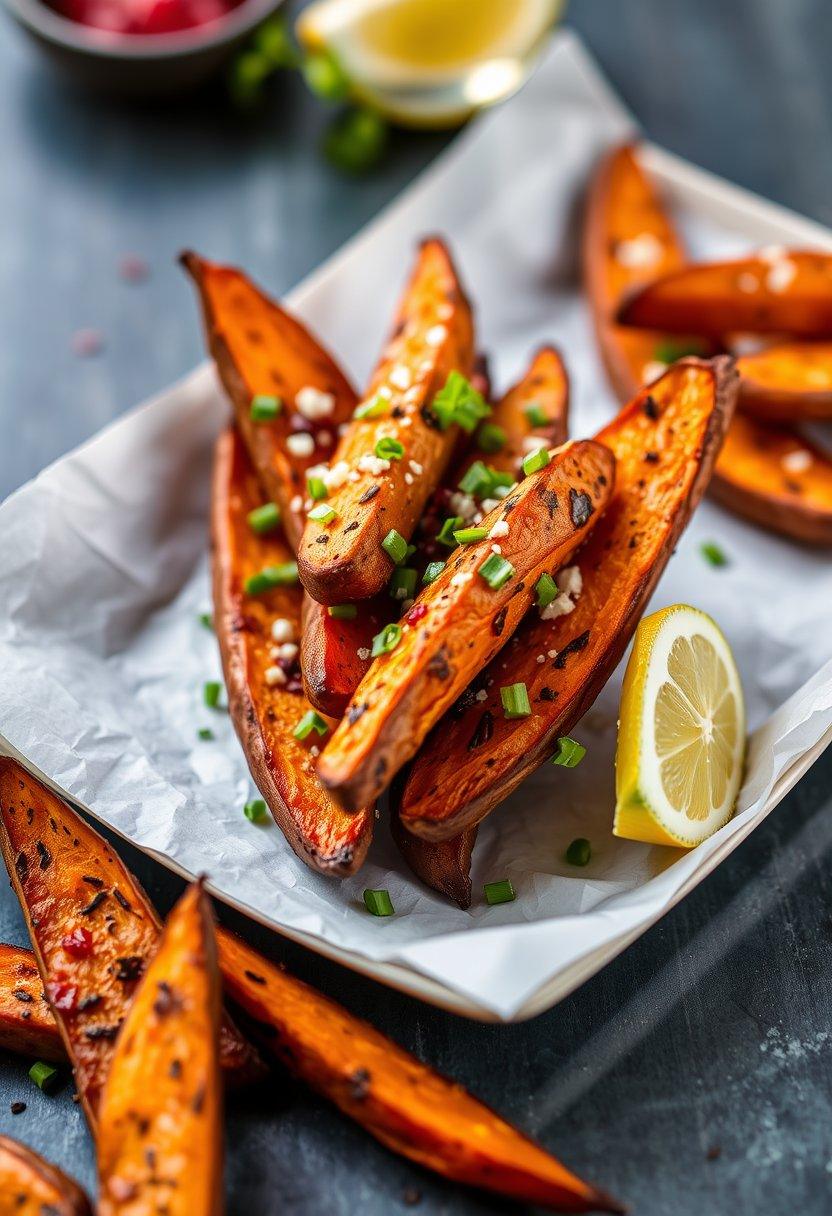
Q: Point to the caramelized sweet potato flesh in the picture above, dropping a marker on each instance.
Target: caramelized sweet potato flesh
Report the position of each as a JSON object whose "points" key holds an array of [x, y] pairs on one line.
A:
{"points": [[343, 560], [788, 382], [400, 1101], [160, 1139], [459, 622], [31, 1186], [776, 291], [264, 713], [27, 1026], [260, 350], [665, 443], [335, 653], [91, 924]]}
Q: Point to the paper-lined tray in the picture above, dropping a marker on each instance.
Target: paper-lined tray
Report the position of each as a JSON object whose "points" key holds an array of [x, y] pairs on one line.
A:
{"points": [[103, 573]]}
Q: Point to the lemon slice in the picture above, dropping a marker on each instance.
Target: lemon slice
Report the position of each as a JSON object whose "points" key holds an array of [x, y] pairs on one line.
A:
{"points": [[429, 62], [681, 734]]}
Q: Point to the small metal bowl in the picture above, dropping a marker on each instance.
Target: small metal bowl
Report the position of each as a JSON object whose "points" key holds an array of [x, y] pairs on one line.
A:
{"points": [[138, 64]]}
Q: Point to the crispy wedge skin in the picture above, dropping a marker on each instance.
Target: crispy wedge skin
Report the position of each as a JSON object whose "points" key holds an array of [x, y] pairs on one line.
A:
{"points": [[778, 479], [788, 382], [464, 621], [665, 443], [27, 1026], [70, 883], [433, 335], [790, 292], [400, 1101], [264, 716], [31, 1186], [160, 1140], [444, 865], [260, 349]]}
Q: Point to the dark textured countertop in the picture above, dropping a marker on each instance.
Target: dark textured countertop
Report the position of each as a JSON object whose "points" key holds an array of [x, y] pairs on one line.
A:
{"points": [[692, 1075]]}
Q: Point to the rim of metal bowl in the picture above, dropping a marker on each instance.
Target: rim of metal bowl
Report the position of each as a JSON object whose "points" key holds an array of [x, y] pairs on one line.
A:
{"points": [[71, 35]]}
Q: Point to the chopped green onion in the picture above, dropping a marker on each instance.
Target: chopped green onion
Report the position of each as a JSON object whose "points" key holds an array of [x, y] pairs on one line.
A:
{"points": [[378, 903], [270, 577], [669, 350], [432, 572], [387, 640], [389, 449], [322, 514], [43, 1075], [264, 519], [713, 554], [309, 722], [459, 402], [274, 42], [264, 408], [343, 612], [496, 571], [403, 583], [211, 690], [467, 536], [376, 408], [205, 733], [501, 892], [316, 488], [515, 699], [324, 76], [255, 811], [446, 532], [546, 590], [207, 620], [491, 438], [395, 546], [569, 752], [535, 461], [475, 480], [579, 852], [248, 73], [355, 140], [536, 414]]}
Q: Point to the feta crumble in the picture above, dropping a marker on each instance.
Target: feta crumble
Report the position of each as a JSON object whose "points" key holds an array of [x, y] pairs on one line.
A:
{"points": [[274, 676], [301, 444], [288, 651], [461, 578], [747, 282], [376, 465], [297, 503], [482, 695], [560, 606], [313, 403], [416, 468], [500, 528], [797, 461], [436, 335], [639, 252], [400, 376], [570, 581], [283, 630], [464, 506], [780, 276]]}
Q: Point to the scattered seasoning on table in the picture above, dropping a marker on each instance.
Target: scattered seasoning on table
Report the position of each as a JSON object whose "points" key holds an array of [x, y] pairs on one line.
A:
{"points": [[501, 892], [205, 733], [87, 342], [579, 852], [43, 1075], [713, 554], [17, 1108], [133, 268], [207, 620], [211, 690]]}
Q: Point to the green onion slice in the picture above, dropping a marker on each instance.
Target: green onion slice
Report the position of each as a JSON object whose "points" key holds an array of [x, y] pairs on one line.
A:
{"points": [[535, 461], [569, 752], [446, 532], [579, 852], [270, 577], [211, 690], [379, 902], [264, 519], [491, 438], [432, 572], [395, 546], [501, 892], [515, 699], [376, 408], [468, 536], [496, 571], [43, 1075], [309, 722], [322, 514], [255, 811], [387, 640], [536, 414], [316, 487], [459, 402], [713, 554], [265, 408], [389, 449], [205, 733], [546, 590], [403, 583], [343, 612]]}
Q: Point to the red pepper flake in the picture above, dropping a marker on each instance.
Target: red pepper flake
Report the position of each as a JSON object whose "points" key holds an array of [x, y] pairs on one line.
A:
{"points": [[87, 342], [78, 943], [417, 612], [62, 996], [133, 268]]}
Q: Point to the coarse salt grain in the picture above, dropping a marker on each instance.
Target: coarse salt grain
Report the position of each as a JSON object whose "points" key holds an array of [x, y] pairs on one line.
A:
{"points": [[301, 444], [313, 403], [481, 695], [363, 653]]}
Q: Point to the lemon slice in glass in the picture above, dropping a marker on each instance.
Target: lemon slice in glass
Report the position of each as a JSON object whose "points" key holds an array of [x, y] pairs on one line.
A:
{"points": [[429, 63], [681, 733]]}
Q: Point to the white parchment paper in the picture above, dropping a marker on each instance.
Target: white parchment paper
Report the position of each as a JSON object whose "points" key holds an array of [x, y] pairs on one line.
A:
{"points": [[103, 572]]}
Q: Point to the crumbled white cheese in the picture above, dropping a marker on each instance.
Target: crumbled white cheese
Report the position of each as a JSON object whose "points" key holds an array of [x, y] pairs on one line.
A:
{"points": [[500, 528], [461, 578], [301, 444], [560, 606], [400, 376], [408, 479], [747, 282], [498, 549], [553, 654], [541, 658], [343, 427], [274, 675], [376, 465], [652, 370], [313, 403], [363, 653], [464, 506], [797, 461], [780, 276], [354, 475], [639, 252], [406, 421], [416, 468], [297, 503], [332, 478], [436, 335], [488, 504], [283, 630], [570, 581], [501, 492], [288, 651], [314, 751], [385, 391], [481, 695]]}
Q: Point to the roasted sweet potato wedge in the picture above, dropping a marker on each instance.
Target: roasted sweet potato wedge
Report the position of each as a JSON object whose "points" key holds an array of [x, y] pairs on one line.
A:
{"points": [[335, 651], [262, 351], [788, 382], [778, 479], [665, 444], [403, 1103], [342, 560], [265, 694], [775, 291], [31, 1186], [160, 1139], [460, 621], [27, 1026], [444, 865], [92, 926]]}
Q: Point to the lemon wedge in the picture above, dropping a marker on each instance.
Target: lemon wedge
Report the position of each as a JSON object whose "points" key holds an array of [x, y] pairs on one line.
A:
{"points": [[681, 734], [429, 63]]}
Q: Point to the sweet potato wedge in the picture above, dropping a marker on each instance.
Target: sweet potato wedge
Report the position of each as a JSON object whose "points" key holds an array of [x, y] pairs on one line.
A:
{"points": [[444, 865], [160, 1139], [775, 291], [31, 1186], [259, 349], [460, 620], [332, 654], [777, 479], [403, 1103], [788, 382], [343, 560], [665, 444], [27, 1026], [92, 927], [265, 713]]}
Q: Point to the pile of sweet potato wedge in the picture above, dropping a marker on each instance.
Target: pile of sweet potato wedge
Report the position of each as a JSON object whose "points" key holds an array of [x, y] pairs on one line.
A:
{"points": [[138, 1010]]}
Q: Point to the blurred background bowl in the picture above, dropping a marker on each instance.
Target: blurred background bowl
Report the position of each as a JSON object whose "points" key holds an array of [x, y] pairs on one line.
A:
{"points": [[139, 64]]}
